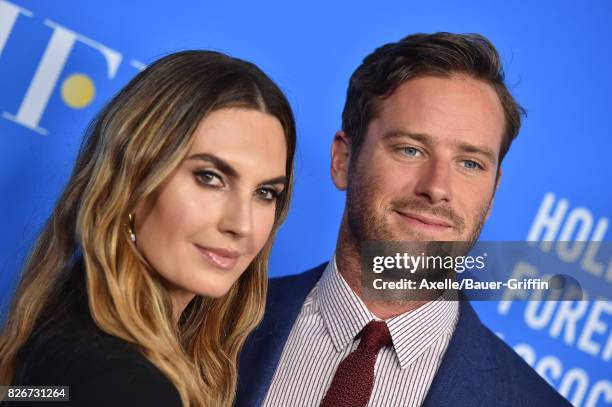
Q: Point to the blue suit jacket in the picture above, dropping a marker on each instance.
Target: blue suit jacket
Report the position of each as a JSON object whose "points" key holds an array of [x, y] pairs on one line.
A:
{"points": [[478, 368]]}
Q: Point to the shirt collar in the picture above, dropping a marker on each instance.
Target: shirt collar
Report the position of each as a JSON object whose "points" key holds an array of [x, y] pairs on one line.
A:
{"points": [[342, 311], [344, 315], [415, 331]]}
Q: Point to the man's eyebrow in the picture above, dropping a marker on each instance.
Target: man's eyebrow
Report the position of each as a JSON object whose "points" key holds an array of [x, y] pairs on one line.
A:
{"points": [[420, 137], [484, 151], [230, 171], [426, 139]]}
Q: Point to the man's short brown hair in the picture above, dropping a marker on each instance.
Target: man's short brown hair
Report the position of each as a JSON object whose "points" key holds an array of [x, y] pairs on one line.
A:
{"points": [[439, 54]]}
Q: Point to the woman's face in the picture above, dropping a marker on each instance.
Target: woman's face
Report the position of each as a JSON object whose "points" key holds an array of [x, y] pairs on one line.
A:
{"points": [[214, 213]]}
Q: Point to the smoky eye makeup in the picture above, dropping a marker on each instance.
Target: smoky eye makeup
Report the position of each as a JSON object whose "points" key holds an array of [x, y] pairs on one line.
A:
{"points": [[209, 178], [270, 192]]}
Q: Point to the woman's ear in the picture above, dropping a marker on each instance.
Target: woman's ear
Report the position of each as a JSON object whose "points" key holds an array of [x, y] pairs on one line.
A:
{"points": [[340, 159]]}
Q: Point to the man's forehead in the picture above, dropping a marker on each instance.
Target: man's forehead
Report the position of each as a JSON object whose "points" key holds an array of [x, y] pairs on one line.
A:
{"points": [[456, 107]]}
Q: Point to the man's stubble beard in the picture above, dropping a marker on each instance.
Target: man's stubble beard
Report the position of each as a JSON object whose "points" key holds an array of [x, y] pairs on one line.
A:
{"points": [[366, 224]]}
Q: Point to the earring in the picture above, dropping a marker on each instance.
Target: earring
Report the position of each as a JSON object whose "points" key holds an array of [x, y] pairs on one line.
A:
{"points": [[130, 227]]}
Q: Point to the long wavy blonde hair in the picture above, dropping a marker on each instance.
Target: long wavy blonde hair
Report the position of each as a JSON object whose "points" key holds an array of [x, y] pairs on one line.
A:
{"points": [[141, 136]]}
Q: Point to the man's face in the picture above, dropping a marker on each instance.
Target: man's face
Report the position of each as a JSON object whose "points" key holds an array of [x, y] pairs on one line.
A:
{"points": [[428, 166]]}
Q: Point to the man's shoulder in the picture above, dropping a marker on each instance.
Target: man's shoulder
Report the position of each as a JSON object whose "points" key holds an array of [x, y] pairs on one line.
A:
{"points": [[304, 280], [314, 272], [517, 377], [517, 383]]}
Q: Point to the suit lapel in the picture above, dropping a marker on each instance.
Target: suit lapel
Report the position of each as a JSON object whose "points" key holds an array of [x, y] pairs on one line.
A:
{"points": [[263, 349], [463, 377]]}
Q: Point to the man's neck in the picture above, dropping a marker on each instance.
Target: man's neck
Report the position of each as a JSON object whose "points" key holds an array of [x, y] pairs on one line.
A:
{"points": [[348, 262]]}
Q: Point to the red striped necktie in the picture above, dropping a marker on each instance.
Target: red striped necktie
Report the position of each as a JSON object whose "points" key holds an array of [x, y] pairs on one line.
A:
{"points": [[354, 379]]}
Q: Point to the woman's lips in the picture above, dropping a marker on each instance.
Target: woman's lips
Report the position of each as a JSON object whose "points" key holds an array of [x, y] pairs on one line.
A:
{"points": [[222, 258], [425, 222]]}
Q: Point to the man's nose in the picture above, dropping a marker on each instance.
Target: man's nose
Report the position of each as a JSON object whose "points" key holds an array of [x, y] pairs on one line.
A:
{"points": [[434, 183]]}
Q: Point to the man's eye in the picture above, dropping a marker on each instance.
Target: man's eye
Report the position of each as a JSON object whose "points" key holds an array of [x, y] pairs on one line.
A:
{"points": [[209, 178], [472, 165], [410, 151]]}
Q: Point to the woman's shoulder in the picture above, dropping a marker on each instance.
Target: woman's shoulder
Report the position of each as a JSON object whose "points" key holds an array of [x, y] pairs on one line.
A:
{"points": [[99, 369]]}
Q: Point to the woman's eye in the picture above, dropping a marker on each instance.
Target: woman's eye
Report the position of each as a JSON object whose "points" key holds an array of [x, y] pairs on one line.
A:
{"points": [[472, 165], [267, 194], [209, 178], [410, 151]]}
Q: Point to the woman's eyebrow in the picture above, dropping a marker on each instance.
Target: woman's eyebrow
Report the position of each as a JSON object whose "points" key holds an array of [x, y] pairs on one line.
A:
{"points": [[218, 162], [277, 180], [230, 171]]}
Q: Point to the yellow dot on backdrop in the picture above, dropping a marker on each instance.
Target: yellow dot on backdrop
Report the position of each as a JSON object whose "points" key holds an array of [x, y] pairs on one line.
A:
{"points": [[78, 90]]}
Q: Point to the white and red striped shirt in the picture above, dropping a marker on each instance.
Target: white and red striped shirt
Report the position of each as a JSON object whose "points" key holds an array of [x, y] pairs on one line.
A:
{"points": [[324, 334]]}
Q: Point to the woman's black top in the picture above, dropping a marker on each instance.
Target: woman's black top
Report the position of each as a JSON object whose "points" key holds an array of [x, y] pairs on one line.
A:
{"points": [[68, 349]]}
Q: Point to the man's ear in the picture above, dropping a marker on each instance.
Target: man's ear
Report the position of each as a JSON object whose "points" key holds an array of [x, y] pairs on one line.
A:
{"points": [[340, 160], [497, 179]]}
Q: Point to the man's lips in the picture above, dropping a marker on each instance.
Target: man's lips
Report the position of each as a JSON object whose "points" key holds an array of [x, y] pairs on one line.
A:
{"points": [[425, 222], [222, 258]]}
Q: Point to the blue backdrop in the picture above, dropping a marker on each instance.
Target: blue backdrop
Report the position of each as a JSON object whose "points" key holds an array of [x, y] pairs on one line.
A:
{"points": [[61, 60]]}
